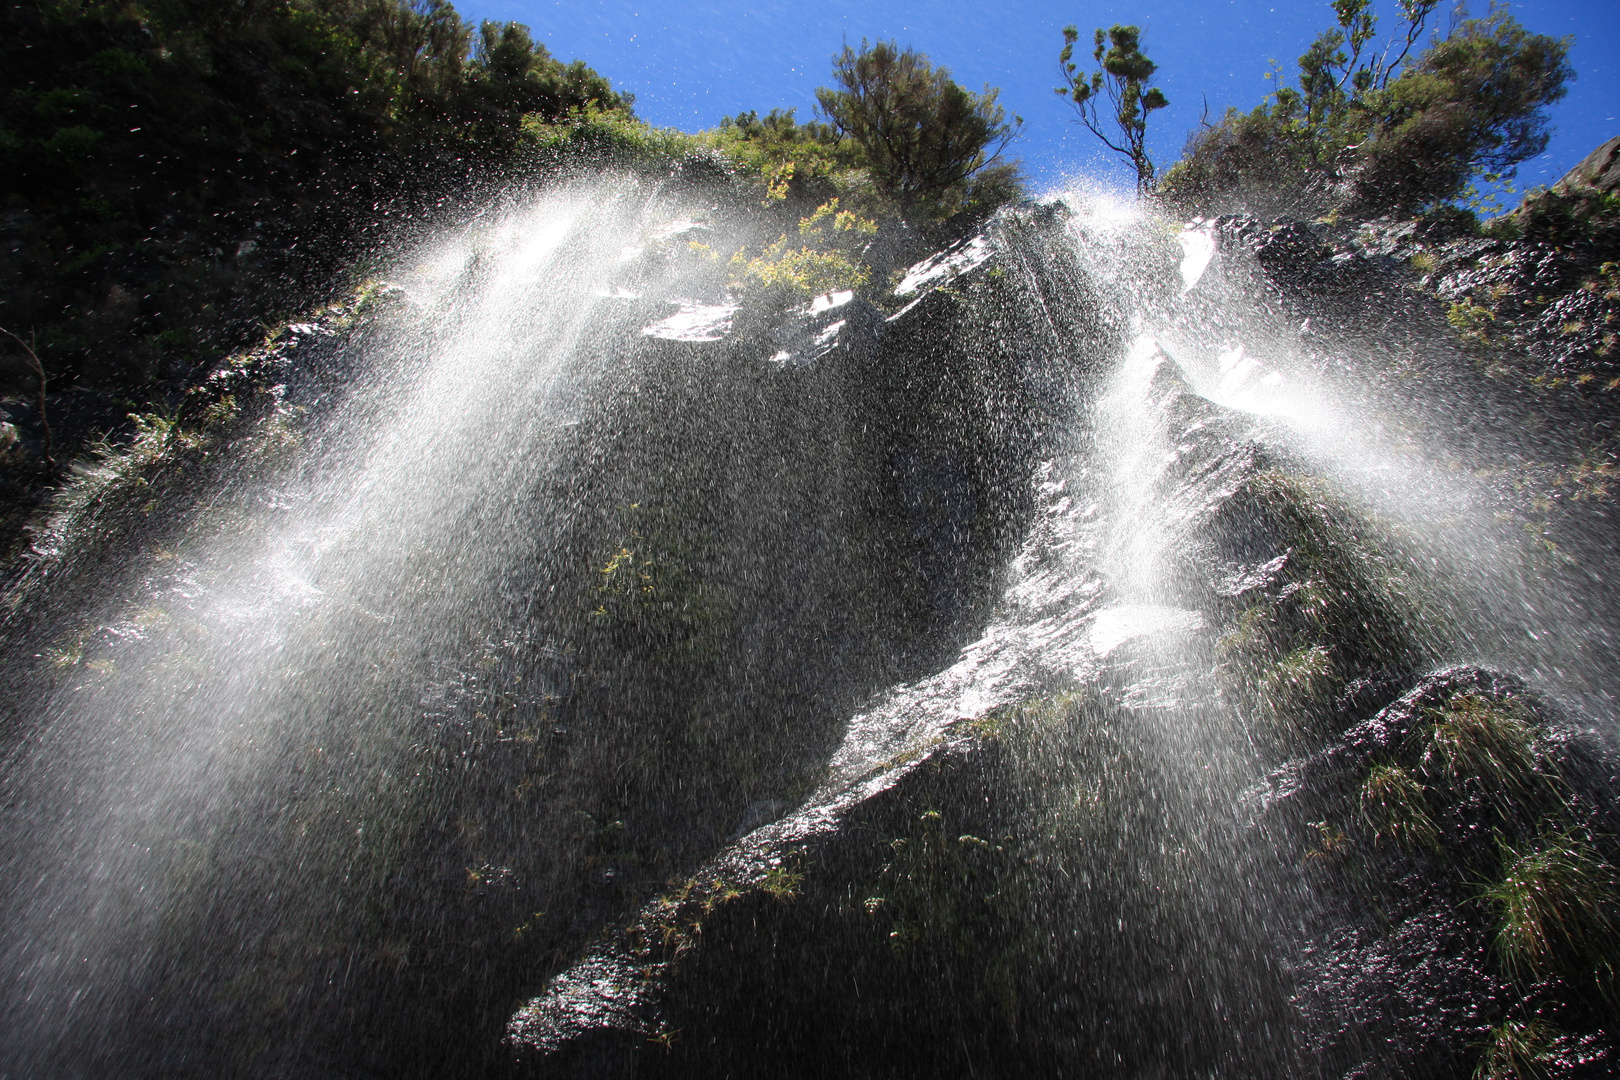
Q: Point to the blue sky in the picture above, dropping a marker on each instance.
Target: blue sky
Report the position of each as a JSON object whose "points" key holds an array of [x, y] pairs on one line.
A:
{"points": [[690, 63]]}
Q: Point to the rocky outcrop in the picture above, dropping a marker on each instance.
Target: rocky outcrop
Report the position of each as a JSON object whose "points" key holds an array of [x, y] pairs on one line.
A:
{"points": [[1600, 169], [911, 685], [1400, 964], [1126, 830]]}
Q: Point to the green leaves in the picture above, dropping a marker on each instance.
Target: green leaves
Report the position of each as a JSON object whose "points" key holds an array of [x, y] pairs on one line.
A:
{"points": [[923, 138], [1382, 127], [1122, 75]]}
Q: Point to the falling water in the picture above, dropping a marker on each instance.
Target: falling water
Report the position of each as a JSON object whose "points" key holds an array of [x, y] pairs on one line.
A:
{"points": [[366, 740], [1413, 432], [199, 816]]}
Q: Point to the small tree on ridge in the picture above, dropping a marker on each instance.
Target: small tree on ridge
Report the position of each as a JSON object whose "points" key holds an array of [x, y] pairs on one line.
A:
{"points": [[930, 145], [1122, 76]]}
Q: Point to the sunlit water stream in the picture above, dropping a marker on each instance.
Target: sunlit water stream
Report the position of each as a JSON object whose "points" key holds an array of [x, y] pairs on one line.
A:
{"points": [[243, 743], [194, 813]]}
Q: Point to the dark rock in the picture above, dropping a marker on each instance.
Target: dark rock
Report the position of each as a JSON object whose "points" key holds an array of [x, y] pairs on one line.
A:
{"points": [[840, 321], [1600, 169], [1395, 973]]}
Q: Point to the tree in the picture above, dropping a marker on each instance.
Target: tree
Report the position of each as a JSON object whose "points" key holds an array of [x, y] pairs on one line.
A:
{"points": [[1379, 131], [1122, 76], [928, 144], [1471, 108], [792, 158], [152, 140], [518, 75]]}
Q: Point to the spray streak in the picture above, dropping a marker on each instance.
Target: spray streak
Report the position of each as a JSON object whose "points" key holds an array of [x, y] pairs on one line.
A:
{"points": [[216, 748]]}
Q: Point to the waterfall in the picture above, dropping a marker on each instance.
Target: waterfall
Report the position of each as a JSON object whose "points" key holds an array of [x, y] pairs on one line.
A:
{"points": [[206, 806], [551, 661]]}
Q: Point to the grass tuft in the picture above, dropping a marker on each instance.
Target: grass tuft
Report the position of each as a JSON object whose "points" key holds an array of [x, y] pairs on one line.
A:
{"points": [[1556, 907], [781, 883], [1394, 805], [1475, 738], [1517, 1050], [1295, 688]]}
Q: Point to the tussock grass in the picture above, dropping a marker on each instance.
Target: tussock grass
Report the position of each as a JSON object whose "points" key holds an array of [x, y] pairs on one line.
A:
{"points": [[1296, 688], [1557, 909], [1516, 1050], [1395, 807], [1475, 739]]}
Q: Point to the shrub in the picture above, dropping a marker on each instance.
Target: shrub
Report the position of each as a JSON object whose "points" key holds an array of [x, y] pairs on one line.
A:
{"points": [[806, 160], [930, 146], [1372, 132], [1582, 220], [825, 255], [594, 132], [72, 143]]}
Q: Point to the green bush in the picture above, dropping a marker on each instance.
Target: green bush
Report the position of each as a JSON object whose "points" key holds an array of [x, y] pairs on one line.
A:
{"points": [[804, 160], [930, 146], [1377, 135], [72, 143], [1583, 220], [826, 254], [158, 133], [606, 135]]}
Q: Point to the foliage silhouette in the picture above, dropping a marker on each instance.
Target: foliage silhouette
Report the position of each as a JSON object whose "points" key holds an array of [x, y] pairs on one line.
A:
{"points": [[1122, 76], [930, 146]]}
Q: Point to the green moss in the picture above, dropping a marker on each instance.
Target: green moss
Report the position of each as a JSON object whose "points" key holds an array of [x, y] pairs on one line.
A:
{"points": [[1343, 609], [942, 890], [1470, 320], [653, 598], [1025, 720], [1352, 590]]}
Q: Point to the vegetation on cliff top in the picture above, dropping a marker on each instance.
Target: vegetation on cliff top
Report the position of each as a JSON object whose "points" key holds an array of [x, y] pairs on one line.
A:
{"points": [[176, 174], [175, 171], [1367, 127]]}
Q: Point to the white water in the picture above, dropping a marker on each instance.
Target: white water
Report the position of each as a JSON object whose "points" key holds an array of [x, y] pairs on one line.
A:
{"points": [[251, 743], [245, 738]]}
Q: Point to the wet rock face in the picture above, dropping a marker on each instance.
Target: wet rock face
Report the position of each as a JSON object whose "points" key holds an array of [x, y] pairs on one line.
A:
{"points": [[1128, 832], [1600, 169], [1007, 869], [1544, 297], [1400, 968], [1129, 805], [950, 408]]}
